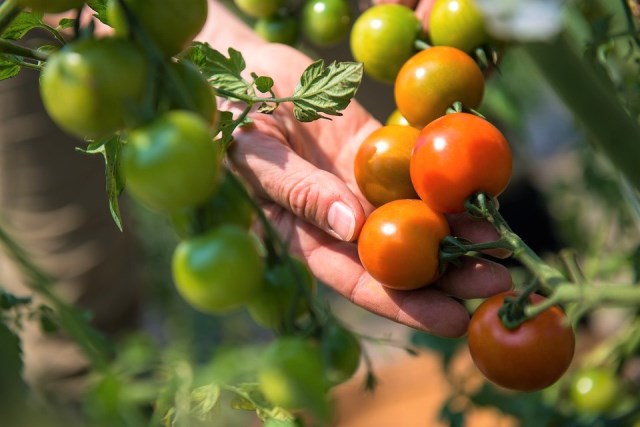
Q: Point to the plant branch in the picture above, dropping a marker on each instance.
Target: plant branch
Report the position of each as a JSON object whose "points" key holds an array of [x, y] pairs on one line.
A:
{"points": [[15, 49]]}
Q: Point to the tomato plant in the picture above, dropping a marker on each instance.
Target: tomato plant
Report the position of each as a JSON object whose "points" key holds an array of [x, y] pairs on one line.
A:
{"points": [[396, 118], [595, 390], [381, 165], [434, 79], [171, 163], [196, 91], [218, 271], [456, 156], [383, 39], [530, 357], [87, 75], [399, 244], [457, 23], [278, 29], [172, 26], [51, 6], [259, 8], [341, 353], [326, 22]]}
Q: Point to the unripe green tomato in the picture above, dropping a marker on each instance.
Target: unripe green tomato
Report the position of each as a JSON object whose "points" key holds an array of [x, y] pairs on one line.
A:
{"points": [[341, 353], [259, 8], [91, 86], [50, 6], [291, 375], [171, 163], [595, 390], [326, 22], [218, 271], [396, 118], [172, 25], [278, 29], [201, 95], [457, 23], [383, 39]]}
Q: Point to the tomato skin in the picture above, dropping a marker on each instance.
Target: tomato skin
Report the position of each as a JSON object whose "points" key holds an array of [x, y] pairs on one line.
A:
{"points": [[383, 39], [399, 244], [595, 390], [456, 156], [396, 118], [457, 23], [172, 26], [82, 86], [202, 97], [218, 271], [51, 6], [381, 165], [531, 357], [326, 22], [171, 163], [259, 8], [341, 353], [278, 29], [432, 80]]}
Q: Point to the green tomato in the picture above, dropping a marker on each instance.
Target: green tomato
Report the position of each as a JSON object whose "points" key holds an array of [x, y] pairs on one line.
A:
{"points": [[278, 29], [50, 6], [383, 39], [595, 390], [326, 22], [226, 206], [199, 93], [171, 163], [172, 25], [83, 88], [282, 295], [457, 23], [291, 375], [341, 353], [259, 8], [218, 271]]}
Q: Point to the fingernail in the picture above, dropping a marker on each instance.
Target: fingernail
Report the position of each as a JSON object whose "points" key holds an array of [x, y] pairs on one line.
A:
{"points": [[342, 221]]}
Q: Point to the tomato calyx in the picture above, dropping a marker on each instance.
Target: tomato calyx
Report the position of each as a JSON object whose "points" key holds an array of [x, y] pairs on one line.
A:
{"points": [[458, 107]]}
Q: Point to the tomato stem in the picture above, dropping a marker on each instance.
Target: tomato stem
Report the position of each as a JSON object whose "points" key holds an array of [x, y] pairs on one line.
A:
{"points": [[421, 45], [24, 52]]}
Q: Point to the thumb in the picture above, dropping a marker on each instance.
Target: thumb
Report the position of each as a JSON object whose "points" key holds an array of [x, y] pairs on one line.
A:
{"points": [[278, 173]]}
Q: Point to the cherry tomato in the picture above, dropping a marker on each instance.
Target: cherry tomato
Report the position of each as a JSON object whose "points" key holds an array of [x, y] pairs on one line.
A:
{"points": [[432, 80], [326, 22], [291, 375], [83, 88], [278, 29], [383, 39], [396, 118], [381, 164], [341, 353], [218, 271], [283, 294], [456, 156], [595, 390], [457, 23], [197, 91], [531, 357], [259, 8], [171, 26], [172, 162], [399, 244], [50, 6]]}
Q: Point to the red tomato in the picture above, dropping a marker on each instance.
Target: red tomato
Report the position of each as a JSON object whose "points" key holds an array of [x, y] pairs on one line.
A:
{"points": [[531, 357], [381, 165], [399, 244], [432, 80], [456, 156]]}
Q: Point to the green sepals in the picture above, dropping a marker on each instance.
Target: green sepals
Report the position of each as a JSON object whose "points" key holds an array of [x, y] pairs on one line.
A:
{"points": [[110, 149], [326, 90]]}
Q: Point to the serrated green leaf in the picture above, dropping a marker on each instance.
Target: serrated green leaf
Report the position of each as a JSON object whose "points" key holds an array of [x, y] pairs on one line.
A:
{"points": [[264, 84], [22, 24], [110, 149], [100, 9], [66, 23], [220, 70], [8, 69], [326, 90], [204, 400]]}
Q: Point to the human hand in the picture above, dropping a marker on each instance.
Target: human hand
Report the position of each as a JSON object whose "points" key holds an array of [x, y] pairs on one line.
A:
{"points": [[303, 177]]}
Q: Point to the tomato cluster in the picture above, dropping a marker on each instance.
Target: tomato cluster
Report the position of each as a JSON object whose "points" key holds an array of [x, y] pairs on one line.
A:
{"points": [[323, 23]]}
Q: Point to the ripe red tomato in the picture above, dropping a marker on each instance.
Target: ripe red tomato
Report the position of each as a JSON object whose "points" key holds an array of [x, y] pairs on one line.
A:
{"points": [[381, 165], [432, 80], [456, 156], [531, 357], [399, 244], [457, 23]]}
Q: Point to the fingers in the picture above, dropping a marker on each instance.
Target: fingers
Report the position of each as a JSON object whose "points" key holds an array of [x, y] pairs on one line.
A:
{"points": [[477, 231], [276, 172], [475, 278]]}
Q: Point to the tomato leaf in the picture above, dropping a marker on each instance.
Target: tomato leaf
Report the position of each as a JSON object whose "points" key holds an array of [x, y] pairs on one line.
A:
{"points": [[264, 84], [100, 7], [204, 399], [66, 23], [8, 67], [110, 149], [326, 90], [221, 71], [22, 24]]}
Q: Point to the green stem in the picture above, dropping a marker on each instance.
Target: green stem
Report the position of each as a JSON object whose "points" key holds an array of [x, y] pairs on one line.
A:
{"points": [[8, 12], [421, 45], [15, 49], [593, 101], [250, 99]]}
